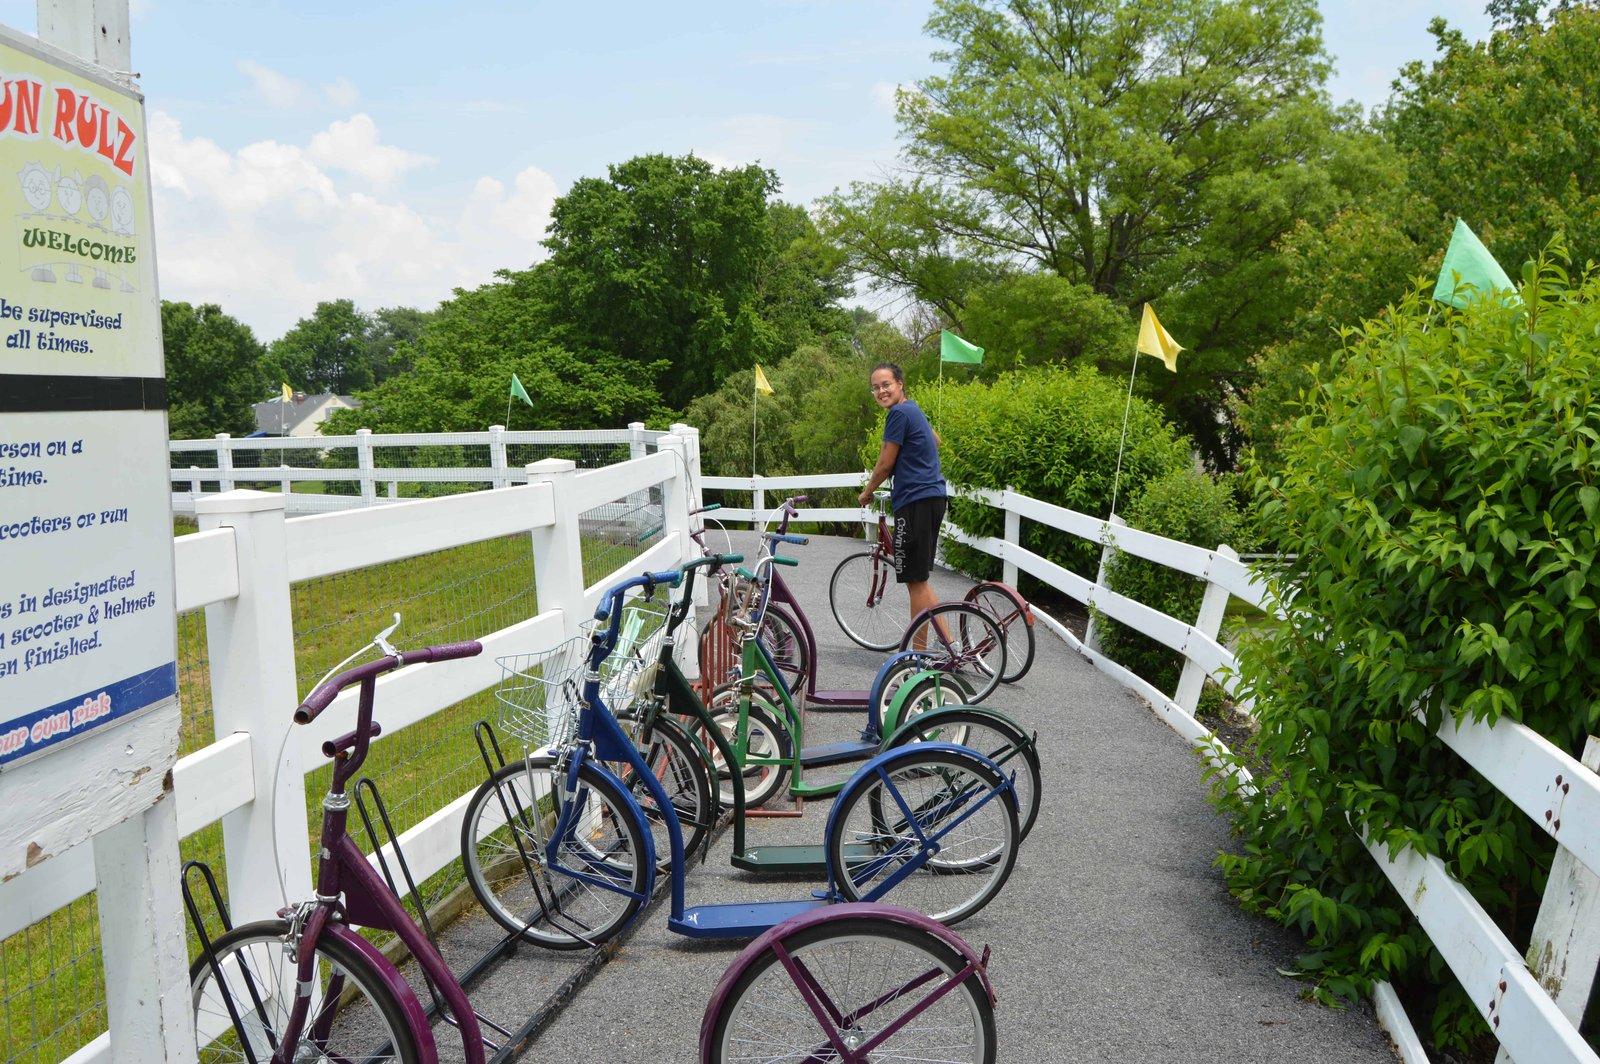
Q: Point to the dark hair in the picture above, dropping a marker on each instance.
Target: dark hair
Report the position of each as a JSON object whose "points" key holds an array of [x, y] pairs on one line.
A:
{"points": [[900, 378]]}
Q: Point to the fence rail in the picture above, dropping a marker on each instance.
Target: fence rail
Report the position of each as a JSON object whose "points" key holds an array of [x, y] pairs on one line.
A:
{"points": [[373, 467], [239, 570], [1533, 1002]]}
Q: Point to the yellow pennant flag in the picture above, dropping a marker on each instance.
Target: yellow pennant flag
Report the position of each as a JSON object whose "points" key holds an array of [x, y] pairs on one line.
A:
{"points": [[1154, 340], [288, 392], [761, 382]]}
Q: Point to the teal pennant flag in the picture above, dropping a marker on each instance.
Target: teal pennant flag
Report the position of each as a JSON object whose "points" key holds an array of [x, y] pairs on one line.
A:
{"points": [[1469, 271], [953, 348], [518, 391]]}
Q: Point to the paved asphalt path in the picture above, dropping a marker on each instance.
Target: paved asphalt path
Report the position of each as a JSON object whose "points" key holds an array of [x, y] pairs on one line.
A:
{"points": [[1114, 939]]}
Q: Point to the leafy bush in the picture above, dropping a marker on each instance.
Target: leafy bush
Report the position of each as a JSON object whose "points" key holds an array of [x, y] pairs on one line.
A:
{"points": [[1187, 506], [1439, 491], [1051, 434]]}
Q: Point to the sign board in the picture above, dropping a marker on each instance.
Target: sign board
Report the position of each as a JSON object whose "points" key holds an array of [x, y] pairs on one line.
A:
{"points": [[87, 637]]}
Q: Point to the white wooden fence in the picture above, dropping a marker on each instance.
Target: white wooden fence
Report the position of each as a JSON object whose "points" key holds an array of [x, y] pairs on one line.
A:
{"points": [[1532, 1003], [240, 567], [468, 460]]}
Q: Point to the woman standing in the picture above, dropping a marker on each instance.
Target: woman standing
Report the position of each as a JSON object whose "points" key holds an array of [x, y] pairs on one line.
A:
{"points": [[910, 454]]}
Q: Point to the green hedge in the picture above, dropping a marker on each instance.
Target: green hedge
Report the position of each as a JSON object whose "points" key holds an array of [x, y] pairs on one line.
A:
{"points": [[1051, 434], [1439, 491]]}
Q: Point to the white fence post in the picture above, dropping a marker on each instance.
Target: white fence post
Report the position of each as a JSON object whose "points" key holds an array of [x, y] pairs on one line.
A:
{"points": [[636, 444], [497, 456], [758, 502], [691, 452], [694, 499], [557, 548], [1564, 951], [675, 495], [224, 462], [1013, 536], [366, 466], [1091, 637], [196, 481], [1213, 606], [250, 644], [142, 943]]}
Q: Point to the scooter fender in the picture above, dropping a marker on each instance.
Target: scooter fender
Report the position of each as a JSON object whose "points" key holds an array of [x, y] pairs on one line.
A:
{"points": [[841, 911], [894, 713], [416, 1016], [896, 662]]}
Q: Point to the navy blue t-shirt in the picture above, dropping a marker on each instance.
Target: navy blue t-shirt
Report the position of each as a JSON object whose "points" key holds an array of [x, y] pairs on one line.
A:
{"points": [[916, 469]]}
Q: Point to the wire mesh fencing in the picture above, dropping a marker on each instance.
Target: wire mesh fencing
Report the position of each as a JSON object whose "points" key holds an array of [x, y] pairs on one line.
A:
{"points": [[51, 979]]}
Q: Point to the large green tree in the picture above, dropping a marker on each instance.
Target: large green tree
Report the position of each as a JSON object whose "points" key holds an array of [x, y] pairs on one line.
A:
{"points": [[674, 264], [1502, 133], [326, 352], [214, 371], [463, 359], [391, 337], [1150, 151]]}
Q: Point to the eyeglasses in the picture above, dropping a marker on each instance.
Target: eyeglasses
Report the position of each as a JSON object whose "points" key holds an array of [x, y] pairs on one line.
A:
{"points": [[887, 386]]}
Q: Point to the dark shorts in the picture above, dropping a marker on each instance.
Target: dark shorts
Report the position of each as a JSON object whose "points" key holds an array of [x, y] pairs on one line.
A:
{"points": [[916, 538]]}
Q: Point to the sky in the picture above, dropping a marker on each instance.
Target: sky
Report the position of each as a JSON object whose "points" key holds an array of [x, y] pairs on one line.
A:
{"points": [[390, 151]]}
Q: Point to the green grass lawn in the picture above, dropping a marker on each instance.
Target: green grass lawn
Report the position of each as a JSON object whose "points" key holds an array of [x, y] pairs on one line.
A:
{"points": [[51, 983]]}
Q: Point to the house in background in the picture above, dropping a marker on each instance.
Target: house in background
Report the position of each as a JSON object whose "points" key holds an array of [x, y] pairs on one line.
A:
{"points": [[301, 416]]}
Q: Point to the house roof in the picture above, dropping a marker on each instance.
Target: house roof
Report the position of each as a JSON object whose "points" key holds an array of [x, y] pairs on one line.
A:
{"points": [[275, 417]]}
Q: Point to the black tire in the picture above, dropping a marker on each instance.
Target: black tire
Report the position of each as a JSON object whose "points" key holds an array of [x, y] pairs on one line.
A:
{"points": [[873, 971], [1015, 621], [995, 737], [871, 608], [355, 1006], [547, 904], [780, 634], [976, 853], [686, 777], [965, 641], [769, 740]]}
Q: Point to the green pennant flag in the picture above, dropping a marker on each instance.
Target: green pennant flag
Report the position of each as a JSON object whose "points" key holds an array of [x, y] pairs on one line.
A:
{"points": [[1470, 271], [518, 391], [953, 348]]}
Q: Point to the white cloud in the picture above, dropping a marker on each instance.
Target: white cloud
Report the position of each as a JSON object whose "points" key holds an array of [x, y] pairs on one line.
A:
{"points": [[342, 93], [277, 89], [272, 229], [764, 138], [353, 147]]}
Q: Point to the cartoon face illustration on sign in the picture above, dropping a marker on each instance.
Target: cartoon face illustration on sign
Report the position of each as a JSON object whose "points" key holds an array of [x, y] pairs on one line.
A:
{"points": [[69, 191], [36, 185], [98, 197], [121, 210]]}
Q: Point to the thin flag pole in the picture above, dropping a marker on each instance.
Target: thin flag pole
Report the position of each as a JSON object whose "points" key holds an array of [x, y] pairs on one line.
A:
{"points": [[508, 410], [755, 397], [1116, 481]]}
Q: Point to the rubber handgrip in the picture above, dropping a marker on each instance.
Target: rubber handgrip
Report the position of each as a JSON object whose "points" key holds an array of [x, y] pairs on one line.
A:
{"points": [[746, 573], [447, 652], [315, 703], [784, 561], [786, 537], [718, 560]]}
